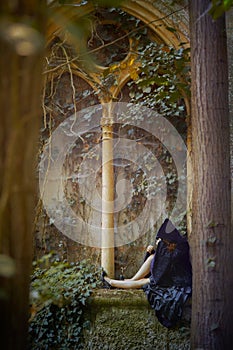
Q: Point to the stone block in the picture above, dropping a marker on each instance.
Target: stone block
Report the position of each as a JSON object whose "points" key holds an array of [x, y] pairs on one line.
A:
{"points": [[124, 320]]}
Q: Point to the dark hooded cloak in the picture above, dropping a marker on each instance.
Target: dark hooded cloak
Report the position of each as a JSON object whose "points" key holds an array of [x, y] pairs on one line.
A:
{"points": [[171, 275]]}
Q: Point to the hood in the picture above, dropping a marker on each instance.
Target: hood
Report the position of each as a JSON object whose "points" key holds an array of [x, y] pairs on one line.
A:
{"points": [[170, 233]]}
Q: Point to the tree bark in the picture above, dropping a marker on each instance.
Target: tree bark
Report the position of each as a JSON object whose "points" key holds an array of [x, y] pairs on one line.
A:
{"points": [[21, 45], [211, 239]]}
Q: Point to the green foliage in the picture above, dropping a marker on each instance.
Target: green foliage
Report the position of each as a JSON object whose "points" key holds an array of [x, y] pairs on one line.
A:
{"points": [[219, 7], [160, 74], [59, 291], [164, 79], [159, 79]]}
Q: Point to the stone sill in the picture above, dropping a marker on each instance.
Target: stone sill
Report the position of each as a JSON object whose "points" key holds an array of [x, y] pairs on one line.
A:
{"points": [[123, 320], [115, 297]]}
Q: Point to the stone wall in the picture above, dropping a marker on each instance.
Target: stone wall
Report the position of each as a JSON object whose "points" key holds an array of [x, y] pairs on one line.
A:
{"points": [[67, 91]]}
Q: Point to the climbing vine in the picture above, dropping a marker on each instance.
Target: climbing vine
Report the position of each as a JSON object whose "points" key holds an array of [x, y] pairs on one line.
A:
{"points": [[158, 78], [163, 80], [58, 297]]}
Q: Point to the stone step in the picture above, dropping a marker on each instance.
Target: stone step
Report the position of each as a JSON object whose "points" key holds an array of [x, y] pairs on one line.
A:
{"points": [[123, 320]]}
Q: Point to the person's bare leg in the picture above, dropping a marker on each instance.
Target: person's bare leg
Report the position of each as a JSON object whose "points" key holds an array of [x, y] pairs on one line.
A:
{"points": [[144, 269], [129, 284]]}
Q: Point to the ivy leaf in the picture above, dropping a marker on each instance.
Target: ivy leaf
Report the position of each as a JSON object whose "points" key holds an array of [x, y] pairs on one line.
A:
{"points": [[171, 29]]}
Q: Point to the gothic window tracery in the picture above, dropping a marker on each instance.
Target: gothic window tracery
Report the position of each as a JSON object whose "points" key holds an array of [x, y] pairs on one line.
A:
{"points": [[78, 77]]}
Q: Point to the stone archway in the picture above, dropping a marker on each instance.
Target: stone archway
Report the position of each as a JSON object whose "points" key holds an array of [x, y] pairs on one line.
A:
{"points": [[165, 26]]}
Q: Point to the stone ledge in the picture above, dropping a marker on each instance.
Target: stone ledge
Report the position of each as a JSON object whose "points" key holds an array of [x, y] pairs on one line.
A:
{"points": [[112, 297], [123, 320]]}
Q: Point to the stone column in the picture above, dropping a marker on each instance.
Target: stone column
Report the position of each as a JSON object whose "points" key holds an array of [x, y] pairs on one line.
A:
{"points": [[107, 253]]}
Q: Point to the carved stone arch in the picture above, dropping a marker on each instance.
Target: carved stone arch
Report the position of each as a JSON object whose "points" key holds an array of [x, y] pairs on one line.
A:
{"points": [[61, 97], [121, 84], [162, 17], [168, 25], [169, 22]]}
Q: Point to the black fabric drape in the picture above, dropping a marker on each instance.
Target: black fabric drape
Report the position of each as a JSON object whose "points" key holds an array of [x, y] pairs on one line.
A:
{"points": [[171, 276]]}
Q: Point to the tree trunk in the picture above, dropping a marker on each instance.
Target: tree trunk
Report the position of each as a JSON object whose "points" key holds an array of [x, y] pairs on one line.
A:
{"points": [[20, 85], [211, 239]]}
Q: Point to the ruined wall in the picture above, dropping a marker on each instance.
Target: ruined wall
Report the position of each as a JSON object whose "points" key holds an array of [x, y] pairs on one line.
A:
{"points": [[69, 89]]}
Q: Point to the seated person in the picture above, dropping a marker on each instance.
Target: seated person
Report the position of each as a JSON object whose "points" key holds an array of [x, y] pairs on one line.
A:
{"points": [[170, 275]]}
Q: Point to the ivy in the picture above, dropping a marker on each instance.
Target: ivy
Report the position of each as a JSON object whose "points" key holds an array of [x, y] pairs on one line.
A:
{"points": [[159, 78], [159, 74], [58, 296], [164, 79]]}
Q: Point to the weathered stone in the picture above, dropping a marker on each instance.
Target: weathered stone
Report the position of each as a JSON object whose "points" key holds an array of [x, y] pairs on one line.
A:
{"points": [[124, 320]]}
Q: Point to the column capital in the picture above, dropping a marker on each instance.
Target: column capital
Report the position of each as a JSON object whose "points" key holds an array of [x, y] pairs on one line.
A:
{"points": [[106, 121]]}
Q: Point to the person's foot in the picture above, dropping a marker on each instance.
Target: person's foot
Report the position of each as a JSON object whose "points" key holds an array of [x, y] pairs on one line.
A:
{"points": [[107, 281], [106, 284]]}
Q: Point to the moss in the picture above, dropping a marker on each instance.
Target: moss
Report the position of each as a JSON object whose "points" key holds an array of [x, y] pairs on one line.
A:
{"points": [[121, 319], [131, 298]]}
